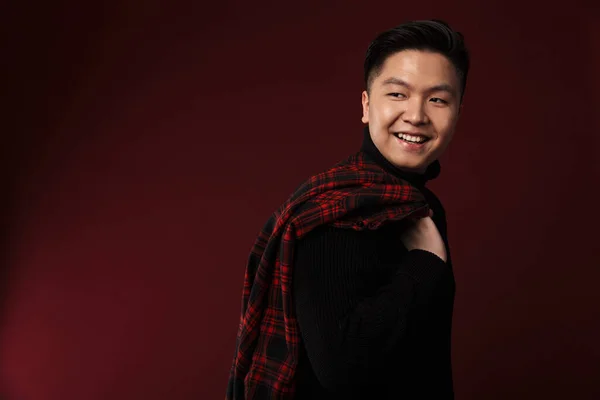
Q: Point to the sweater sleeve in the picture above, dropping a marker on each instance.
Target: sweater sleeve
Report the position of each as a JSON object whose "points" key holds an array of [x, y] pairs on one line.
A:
{"points": [[346, 333]]}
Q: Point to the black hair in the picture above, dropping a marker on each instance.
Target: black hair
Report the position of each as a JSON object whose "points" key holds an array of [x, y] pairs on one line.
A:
{"points": [[426, 35]]}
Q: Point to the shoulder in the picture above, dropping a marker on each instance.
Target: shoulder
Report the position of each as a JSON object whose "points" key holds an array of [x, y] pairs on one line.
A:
{"points": [[434, 201]]}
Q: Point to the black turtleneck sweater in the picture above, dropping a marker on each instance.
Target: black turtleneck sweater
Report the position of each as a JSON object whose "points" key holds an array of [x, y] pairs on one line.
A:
{"points": [[375, 319]]}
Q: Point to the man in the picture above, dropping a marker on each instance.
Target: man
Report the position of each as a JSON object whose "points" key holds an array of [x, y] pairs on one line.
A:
{"points": [[349, 290]]}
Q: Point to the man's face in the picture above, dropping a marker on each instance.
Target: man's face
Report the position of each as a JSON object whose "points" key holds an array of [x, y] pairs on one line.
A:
{"points": [[412, 108]]}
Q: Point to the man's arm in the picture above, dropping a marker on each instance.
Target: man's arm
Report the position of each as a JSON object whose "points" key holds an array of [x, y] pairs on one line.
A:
{"points": [[346, 336]]}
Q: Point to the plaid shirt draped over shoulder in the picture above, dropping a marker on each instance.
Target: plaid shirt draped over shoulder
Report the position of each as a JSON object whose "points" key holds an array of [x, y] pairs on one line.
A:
{"points": [[354, 194]]}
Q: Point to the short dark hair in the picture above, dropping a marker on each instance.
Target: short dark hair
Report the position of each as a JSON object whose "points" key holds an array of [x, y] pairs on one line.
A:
{"points": [[427, 35]]}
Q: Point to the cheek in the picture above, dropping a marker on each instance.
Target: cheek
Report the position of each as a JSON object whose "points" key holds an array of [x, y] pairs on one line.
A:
{"points": [[387, 113], [444, 125]]}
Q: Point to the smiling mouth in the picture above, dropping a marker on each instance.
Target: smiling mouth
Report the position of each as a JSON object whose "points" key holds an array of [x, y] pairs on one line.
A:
{"points": [[415, 139]]}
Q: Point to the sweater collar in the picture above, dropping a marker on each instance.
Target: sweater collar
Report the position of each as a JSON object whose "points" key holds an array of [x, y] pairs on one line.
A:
{"points": [[368, 147]]}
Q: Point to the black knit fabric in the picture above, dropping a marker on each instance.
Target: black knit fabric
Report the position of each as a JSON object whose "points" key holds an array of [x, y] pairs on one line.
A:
{"points": [[375, 319]]}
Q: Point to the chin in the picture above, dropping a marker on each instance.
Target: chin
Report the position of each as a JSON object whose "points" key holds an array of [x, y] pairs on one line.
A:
{"points": [[416, 166]]}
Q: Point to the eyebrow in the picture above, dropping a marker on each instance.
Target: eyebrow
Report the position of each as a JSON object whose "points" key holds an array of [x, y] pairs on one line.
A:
{"points": [[443, 87]]}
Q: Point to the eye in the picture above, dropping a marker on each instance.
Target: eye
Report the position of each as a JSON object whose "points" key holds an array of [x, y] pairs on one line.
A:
{"points": [[397, 95], [438, 100]]}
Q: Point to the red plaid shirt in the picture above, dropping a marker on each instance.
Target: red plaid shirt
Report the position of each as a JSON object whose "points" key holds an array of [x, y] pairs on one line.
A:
{"points": [[354, 194]]}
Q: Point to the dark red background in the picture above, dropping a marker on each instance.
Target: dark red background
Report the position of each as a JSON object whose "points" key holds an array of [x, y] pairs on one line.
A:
{"points": [[147, 143]]}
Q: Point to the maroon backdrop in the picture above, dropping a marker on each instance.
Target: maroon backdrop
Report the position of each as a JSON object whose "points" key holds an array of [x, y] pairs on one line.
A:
{"points": [[147, 144]]}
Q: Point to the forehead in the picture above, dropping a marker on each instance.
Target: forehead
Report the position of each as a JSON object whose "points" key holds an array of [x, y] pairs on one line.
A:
{"points": [[420, 68]]}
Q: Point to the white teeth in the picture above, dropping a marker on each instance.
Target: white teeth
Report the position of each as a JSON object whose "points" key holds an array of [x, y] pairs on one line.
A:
{"points": [[410, 138]]}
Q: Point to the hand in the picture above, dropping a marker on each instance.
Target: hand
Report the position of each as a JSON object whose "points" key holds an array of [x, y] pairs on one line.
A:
{"points": [[423, 234]]}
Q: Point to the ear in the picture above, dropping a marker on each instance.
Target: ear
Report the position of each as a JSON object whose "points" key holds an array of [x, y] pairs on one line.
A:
{"points": [[365, 107]]}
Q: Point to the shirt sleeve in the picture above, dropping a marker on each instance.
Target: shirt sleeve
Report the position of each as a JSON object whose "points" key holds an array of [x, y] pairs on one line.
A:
{"points": [[346, 333]]}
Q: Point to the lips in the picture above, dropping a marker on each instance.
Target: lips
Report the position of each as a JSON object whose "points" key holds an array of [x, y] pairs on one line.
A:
{"points": [[412, 137]]}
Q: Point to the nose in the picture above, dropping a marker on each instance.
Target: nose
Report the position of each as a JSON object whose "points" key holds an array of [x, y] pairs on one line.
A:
{"points": [[415, 112]]}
